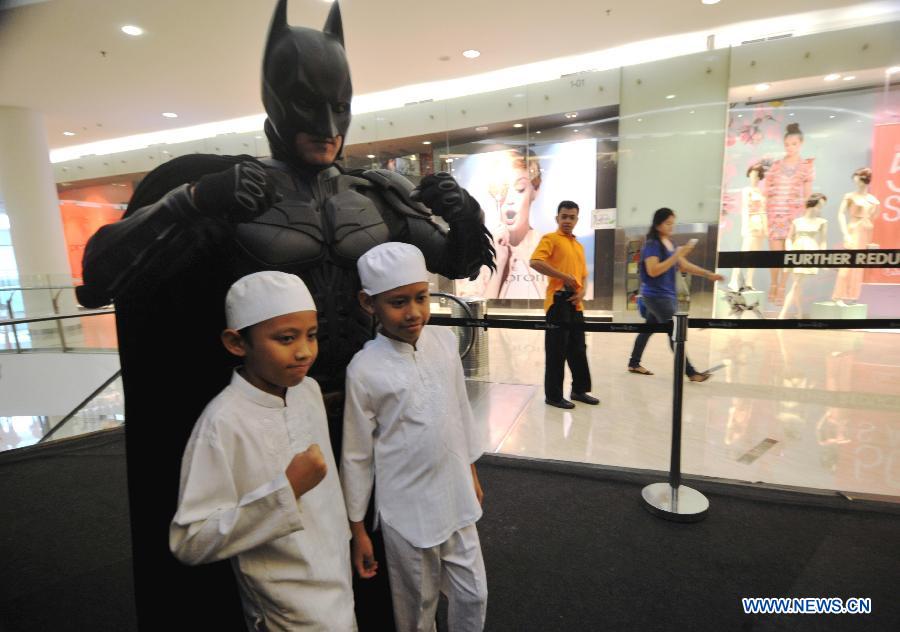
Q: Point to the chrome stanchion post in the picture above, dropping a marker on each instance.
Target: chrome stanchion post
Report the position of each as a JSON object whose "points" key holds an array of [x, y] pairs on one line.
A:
{"points": [[672, 500]]}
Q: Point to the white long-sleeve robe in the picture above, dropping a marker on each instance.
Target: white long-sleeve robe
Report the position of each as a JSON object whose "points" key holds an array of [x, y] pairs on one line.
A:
{"points": [[291, 556], [408, 425]]}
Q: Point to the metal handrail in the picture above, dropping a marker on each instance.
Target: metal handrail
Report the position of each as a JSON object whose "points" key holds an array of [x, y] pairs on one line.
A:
{"points": [[39, 319], [78, 408], [468, 312]]}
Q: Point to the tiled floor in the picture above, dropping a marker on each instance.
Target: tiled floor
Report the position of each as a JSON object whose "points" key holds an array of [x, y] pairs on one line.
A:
{"points": [[804, 408]]}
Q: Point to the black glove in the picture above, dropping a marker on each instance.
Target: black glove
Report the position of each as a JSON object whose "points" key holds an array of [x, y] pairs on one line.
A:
{"points": [[238, 194], [443, 195]]}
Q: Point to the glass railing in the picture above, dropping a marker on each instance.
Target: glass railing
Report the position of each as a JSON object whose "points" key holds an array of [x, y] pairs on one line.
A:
{"points": [[60, 377]]}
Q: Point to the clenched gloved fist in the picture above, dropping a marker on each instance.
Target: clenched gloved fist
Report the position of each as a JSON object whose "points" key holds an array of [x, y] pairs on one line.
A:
{"points": [[443, 195], [239, 194]]}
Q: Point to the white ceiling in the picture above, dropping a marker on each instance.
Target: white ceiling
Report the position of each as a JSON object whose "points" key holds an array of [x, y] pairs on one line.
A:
{"points": [[201, 58]]}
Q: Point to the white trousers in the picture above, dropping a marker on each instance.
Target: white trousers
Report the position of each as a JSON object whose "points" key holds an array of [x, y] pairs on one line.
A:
{"points": [[455, 568]]}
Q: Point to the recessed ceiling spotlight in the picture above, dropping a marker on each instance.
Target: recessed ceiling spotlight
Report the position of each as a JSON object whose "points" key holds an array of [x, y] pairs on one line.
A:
{"points": [[370, 156], [762, 87], [170, 114], [710, 1], [471, 53], [670, 96], [832, 77], [571, 115], [426, 142], [482, 128], [740, 116], [68, 133], [832, 116], [413, 157], [132, 30], [791, 114], [849, 77], [640, 120], [538, 132], [575, 130], [518, 125]]}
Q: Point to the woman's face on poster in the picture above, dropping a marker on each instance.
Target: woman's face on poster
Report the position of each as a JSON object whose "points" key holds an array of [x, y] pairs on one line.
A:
{"points": [[516, 203]]}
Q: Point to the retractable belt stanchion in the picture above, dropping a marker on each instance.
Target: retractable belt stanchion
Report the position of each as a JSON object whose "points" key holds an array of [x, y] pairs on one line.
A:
{"points": [[672, 500]]}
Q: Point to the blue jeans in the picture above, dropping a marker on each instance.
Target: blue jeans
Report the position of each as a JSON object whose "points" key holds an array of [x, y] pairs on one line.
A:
{"points": [[660, 309]]}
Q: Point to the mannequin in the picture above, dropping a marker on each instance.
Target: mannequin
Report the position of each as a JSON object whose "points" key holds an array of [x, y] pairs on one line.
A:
{"points": [[754, 225], [858, 209], [807, 233], [788, 185]]}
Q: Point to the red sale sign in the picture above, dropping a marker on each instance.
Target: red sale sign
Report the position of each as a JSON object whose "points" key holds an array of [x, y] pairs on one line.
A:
{"points": [[886, 187]]}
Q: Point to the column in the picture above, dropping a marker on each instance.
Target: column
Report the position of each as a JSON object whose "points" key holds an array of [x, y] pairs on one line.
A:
{"points": [[29, 193]]}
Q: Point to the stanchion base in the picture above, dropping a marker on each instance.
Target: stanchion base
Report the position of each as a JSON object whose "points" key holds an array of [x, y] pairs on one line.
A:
{"points": [[681, 504]]}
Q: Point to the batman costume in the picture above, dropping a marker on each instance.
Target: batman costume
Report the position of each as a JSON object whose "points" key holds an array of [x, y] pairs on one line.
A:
{"points": [[198, 223]]}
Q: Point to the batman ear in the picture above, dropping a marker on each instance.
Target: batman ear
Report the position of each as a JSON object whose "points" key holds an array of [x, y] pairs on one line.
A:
{"points": [[334, 26], [279, 23]]}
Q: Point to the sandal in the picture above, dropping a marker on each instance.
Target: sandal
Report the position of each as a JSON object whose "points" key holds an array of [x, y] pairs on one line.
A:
{"points": [[700, 377], [639, 369]]}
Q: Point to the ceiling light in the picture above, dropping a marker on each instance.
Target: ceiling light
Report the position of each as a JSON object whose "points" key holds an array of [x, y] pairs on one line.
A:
{"points": [[518, 125], [132, 30], [68, 133], [471, 53], [832, 116], [482, 128], [791, 114], [740, 116], [692, 112], [571, 115], [413, 157], [575, 130], [832, 77], [449, 159], [670, 96], [170, 114], [370, 155], [762, 87], [849, 77], [892, 70], [426, 142], [538, 132], [640, 120], [710, 1]]}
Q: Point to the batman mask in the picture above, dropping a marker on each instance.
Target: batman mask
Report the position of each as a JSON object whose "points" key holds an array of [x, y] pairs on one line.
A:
{"points": [[306, 82]]}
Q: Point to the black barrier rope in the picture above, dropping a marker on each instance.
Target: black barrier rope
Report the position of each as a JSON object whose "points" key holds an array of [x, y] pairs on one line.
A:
{"points": [[874, 258], [513, 323], [693, 323]]}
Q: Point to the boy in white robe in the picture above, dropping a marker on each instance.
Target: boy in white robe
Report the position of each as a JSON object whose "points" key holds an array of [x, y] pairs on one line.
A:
{"points": [[408, 425], [258, 480]]}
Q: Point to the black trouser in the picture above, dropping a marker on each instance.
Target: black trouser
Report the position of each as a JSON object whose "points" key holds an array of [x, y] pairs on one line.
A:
{"points": [[565, 345], [659, 310]]}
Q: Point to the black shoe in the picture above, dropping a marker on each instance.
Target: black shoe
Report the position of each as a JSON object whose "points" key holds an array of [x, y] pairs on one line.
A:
{"points": [[584, 398], [561, 403]]}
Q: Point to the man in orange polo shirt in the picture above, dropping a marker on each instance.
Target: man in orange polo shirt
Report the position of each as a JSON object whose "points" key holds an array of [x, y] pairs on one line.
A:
{"points": [[560, 258]]}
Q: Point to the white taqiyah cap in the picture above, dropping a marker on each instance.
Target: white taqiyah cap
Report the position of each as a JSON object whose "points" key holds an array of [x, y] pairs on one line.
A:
{"points": [[391, 265], [264, 295]]}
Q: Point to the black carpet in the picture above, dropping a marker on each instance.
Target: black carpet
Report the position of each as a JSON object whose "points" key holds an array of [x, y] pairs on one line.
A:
{"points": [[567, 547]]}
